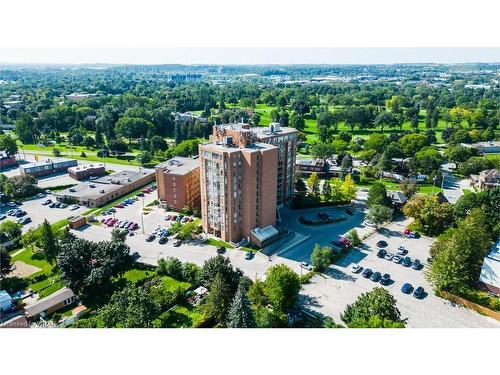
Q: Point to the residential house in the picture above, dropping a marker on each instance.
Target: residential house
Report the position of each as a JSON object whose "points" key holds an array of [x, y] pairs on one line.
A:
{"points": [[490, 271], [50, 304], [487, 179]]}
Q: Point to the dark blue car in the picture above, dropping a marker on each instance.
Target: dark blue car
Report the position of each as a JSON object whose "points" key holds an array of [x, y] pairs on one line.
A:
{"points": [[407, 288]]}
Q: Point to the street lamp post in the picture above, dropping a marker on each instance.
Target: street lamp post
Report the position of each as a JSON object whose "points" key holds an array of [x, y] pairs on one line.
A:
{"points": [[142, 223]]}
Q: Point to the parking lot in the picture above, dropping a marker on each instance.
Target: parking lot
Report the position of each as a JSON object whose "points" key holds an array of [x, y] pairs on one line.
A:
{"points": [[329, 295], [39, 212]]}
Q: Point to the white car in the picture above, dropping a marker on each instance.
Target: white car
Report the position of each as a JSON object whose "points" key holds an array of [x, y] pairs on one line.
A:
{"points": [[74, 207], [368, 223], [306, 265], [396, 259], [401, 250], [388, 256], [355, 268]]}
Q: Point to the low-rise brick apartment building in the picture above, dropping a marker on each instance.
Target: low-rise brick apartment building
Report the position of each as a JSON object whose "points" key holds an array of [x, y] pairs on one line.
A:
{"points": [[82, 172], [245, 173], [178, 181]]}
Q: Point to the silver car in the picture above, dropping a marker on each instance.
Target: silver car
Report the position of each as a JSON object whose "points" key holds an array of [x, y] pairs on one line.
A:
{"points": [[396, 259]]}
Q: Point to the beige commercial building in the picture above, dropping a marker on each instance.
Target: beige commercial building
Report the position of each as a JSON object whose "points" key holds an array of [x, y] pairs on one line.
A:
{"points": [[283, 138], [238, 189], [178, 181]]}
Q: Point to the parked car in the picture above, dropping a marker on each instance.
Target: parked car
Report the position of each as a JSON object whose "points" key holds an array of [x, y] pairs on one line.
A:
{"points": [[74, 207], [368, 223], [173, 218], [179, 218], [177, 243], [163, 240], [306, 265], [63, 205], [396, 259], [46, 202], [135, 255], [248, 255], [367, 273], [356, 268], [40, 195], [419, 292], [381, 253], [140, 194], [339, 244], [184, 219], [119, 205], [11, 212], [406, 262], [382, 244], [24, 220], [150, 238], [2, 217], [406, 288], [221, 249], [48, 191], [385, 279], [52, 205], [11, 204], [375, 276], [20, 213], [168, 217], [416, 264], [401, 250], [388, 256], [345, 241]]}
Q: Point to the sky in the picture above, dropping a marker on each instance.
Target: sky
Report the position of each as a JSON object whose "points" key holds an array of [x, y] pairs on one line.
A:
{"points": [[224, 56]]}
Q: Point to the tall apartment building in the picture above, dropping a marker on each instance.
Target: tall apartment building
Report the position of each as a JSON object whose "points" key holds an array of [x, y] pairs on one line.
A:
{"points": [[178, 181], [238, 189], [284, 138]]}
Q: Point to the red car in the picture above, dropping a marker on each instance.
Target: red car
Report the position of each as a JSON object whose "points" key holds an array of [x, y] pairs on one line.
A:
{"points": [[134, 226], [345, 241], [119, 206], [173, 218], [111, 222]]}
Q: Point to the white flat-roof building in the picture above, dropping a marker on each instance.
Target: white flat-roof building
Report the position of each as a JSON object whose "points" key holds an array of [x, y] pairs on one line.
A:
{"points": [[490, 271]]}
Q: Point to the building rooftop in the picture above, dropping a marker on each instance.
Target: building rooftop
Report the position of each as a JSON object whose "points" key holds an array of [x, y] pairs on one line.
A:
{"points": [[179, 165], [48, 302], [490, 271], [45, 162], [84, 167], [88, 190], [263, 234], [123, 177], [311, 162], [260, 131]]}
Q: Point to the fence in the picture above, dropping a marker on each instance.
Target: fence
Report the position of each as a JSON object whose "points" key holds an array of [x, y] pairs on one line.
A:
{"points": [[470, 305]]}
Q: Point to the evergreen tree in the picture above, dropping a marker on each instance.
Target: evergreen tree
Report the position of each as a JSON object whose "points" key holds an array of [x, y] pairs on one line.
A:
{"points": [[300, 189], [177, 133], [99, 139], [218, 300], [313, 184], [240, 314], [48, 242], [327, 190]]}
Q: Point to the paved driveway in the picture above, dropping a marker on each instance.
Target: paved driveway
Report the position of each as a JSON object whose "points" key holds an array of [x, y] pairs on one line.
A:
{"points": [[329, 295]]}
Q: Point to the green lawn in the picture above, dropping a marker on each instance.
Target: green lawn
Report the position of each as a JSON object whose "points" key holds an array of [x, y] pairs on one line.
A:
{"points": [[214, 242], [134, 275], [180, 317], [394, 186], [170, 284]]}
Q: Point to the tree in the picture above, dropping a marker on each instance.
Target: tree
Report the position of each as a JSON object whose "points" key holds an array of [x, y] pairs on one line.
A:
{"points": [[353, 237], [348, 189], [8, 144], [89, 266], [459, 154], [376, 142], [458, 264], [300, 190], [322, 150], [117, 146], [119, 235], [5, 262], [240, 314], [297, 121], [426, 161], [171, 267], [474, 165], [222, 265], [384, 119], [131, 307], [191, 273], [379, 214], [345, 166], [257, 293], [26, 129], [188, 230], [144, 157], [327, 190], [56, 152], [157, 143], [10, 231], [321, 257], [216, 304], [282, 287], [313, 184], [48, 242], [408, 187], [412, 143], [377, 195], [428, 213], [20, 186], [133, 127], [378, 302]]}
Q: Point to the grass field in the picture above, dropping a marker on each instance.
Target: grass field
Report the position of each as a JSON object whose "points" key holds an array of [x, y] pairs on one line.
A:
{"points": [[134, 275], [170, 284], [180, 317], [215, 242]]}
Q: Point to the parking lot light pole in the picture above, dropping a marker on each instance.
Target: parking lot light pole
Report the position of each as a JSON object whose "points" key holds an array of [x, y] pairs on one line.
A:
{"points": [[142, 222]]}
